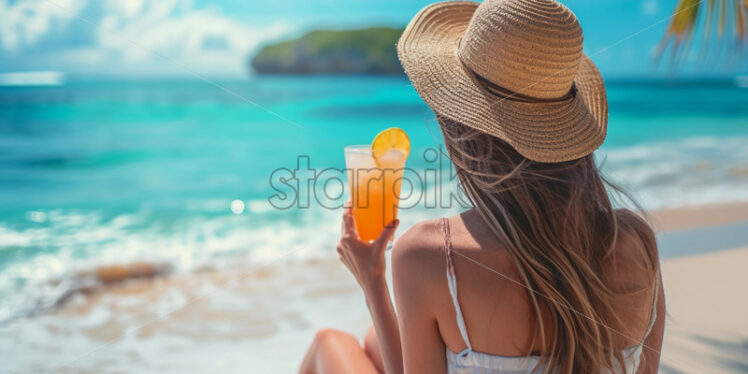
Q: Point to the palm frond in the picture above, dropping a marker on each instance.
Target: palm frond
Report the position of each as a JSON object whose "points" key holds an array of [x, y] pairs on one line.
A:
{"points": [[691, 16], [740, 19]]}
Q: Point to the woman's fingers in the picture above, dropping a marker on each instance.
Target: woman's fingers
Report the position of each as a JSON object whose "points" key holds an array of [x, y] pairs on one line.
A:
{"points": [[349, 226], [345, 260], [346, 209], [343, 252], [387, 232]]}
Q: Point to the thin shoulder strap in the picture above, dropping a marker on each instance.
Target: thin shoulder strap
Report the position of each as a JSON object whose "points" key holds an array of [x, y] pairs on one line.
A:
{"points": [[653, 314], [452, 281]]}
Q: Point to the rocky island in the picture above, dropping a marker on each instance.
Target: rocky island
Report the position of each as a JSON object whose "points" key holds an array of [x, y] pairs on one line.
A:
{"points": [[360, 51]]}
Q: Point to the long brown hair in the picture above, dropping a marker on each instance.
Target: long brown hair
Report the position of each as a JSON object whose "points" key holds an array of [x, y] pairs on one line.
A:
{"points": [[559, 226]]}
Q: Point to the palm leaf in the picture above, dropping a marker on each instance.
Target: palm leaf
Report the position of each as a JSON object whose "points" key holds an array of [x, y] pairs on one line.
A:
{"points": [[740, 19], [691, 15]]}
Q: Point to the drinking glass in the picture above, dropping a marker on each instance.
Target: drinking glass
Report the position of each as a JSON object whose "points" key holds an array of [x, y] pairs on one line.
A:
{"points": [[375, 188]]}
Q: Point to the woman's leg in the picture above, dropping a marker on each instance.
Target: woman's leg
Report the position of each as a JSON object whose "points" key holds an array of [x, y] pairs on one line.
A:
{"points": [[334, 352], [371, 346]]}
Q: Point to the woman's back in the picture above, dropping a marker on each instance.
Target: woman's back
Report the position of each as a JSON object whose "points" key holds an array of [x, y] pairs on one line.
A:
{"points": [[498, 314], [543, 266]]}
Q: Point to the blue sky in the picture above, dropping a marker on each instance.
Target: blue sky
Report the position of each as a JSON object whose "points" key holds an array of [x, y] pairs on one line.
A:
{"points": [[214, 38]]}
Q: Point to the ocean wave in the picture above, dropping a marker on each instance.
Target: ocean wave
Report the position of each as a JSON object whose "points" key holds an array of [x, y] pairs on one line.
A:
{"points": [[690, 171], [41, 265]]}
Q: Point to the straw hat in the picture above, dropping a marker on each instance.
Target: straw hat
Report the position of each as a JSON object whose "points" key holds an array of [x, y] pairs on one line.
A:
{"points": [[511, 68]]}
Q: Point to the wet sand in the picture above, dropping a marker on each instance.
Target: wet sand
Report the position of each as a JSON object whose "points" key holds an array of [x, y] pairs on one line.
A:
{"points": [[698, 216]]}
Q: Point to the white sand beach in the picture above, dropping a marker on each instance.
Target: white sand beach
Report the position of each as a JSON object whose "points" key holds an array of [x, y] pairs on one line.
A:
{"points": [[707, 304], [260, 320]]}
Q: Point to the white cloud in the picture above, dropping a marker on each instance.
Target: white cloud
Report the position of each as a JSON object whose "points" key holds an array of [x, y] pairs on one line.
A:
{"points": [[144, 37], [129, 8], [25, 22], [199, 39]]}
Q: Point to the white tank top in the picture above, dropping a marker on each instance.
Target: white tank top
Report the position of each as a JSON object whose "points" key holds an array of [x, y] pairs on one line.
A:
{"points": [[473, 362]]}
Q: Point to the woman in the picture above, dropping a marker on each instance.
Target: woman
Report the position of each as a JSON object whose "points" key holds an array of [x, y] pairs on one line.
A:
{"points": [[542, 275]]}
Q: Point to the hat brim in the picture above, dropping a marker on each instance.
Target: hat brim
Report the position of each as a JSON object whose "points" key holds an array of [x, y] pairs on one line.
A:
{"points": [[541, 131]]}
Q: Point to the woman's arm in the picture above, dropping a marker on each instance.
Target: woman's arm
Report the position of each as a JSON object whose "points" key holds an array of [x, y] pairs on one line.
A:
{"points": [[366, 262], [386, 325], [417, 272]]}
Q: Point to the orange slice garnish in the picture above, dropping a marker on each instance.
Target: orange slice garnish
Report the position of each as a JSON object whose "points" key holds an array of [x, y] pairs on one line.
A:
{"points": [[390, 148]]}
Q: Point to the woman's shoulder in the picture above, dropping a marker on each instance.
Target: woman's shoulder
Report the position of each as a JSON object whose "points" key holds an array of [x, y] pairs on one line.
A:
{"points": [[418, 258], [423, 241], [635, 235], [635, 259]]}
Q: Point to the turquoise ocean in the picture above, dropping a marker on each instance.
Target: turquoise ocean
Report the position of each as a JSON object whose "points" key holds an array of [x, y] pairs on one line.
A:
{"points": [[108, 172]]}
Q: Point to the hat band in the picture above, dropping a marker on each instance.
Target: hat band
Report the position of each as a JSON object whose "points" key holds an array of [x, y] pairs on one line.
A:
{"points": [[507, 94]]}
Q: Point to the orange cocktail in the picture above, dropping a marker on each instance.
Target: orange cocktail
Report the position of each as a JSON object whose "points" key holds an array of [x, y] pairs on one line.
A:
{"points": [[375, 188]]}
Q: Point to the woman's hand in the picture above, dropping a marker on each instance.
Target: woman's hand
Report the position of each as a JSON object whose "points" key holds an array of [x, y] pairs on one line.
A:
{"points": [[364, 260]]}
